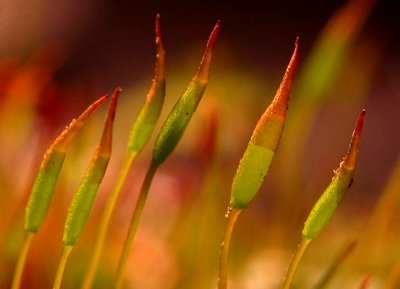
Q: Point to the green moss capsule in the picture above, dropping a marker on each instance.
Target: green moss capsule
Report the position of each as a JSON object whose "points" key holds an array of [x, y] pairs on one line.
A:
{"points": [[179, 117], [262, 146], [150, 112], [83, 199], [43, 188], [331, 197]]}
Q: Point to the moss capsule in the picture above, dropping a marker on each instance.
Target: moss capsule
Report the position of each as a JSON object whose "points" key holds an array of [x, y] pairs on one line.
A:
{"points": [[84, 197], [262, 146], [178, 119], [46, 179]]}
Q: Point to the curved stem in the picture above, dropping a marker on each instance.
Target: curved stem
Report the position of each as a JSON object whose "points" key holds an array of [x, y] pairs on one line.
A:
{"points": [[231, 215], [295, 263], [137, 213], [61, 266], [21, 261], [105, 221]]}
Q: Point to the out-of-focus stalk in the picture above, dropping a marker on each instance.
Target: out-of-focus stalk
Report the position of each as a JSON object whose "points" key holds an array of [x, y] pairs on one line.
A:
{"points": [[323, 282], [316, 80]]}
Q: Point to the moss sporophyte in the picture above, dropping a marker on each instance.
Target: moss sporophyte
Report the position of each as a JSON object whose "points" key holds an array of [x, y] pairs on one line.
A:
{"points": [[85, 195], [256, 160], [141, 131], [329, 200], [45, 182], [168, 137], [194, 259]]}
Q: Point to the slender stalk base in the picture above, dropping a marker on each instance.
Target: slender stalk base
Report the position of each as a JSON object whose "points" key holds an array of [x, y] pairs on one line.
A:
{"points": [[295, 263], [61, 266], [21, 261], [137, 213], [231, 215], [105, 221]]}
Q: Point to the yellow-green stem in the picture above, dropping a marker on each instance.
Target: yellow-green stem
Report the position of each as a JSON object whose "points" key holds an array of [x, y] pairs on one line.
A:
{"points": [[21, 261], [231, 215], [105, 221], [137, 213], [295, 263], [61, 266]]}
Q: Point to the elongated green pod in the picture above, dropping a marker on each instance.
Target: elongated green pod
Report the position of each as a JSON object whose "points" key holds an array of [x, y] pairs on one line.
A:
{"points": [[84, 197], [178, 119], [43, 188], [262, 146], [151, 109], [333, 194]]}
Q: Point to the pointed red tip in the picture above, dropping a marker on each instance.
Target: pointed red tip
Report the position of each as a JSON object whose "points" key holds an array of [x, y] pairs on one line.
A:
{"points": [[351, 157], [63, 140], [159, 73], [213, 36], [92, 108], [158, 26], [106, 138], [280, 103], [205, 64], [113, 103]]}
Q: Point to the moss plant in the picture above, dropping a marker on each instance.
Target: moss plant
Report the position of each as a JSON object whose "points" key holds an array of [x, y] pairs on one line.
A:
{"points": [[256, 160], [247, 181], [43, 188], [140, 133], [168, 137], [329, 200], [84, 197]]}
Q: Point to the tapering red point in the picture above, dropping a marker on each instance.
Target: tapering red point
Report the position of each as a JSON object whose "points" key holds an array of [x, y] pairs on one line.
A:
{"points": [[360, 120], [113, 102], [158, 26], [106, 139], [351, 157], [63, 140], [280, 103], [205, 64], [159, 72], [213, 35]]}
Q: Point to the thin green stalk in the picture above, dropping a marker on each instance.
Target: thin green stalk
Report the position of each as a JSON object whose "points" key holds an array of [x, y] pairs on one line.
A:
{"points": [[61, 266], [21, 261], [295, 263], [231, 215], [137, 213], [105, 220]]}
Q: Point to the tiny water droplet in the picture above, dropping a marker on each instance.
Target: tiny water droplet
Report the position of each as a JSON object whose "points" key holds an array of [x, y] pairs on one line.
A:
{"points": [[228, 212]]}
